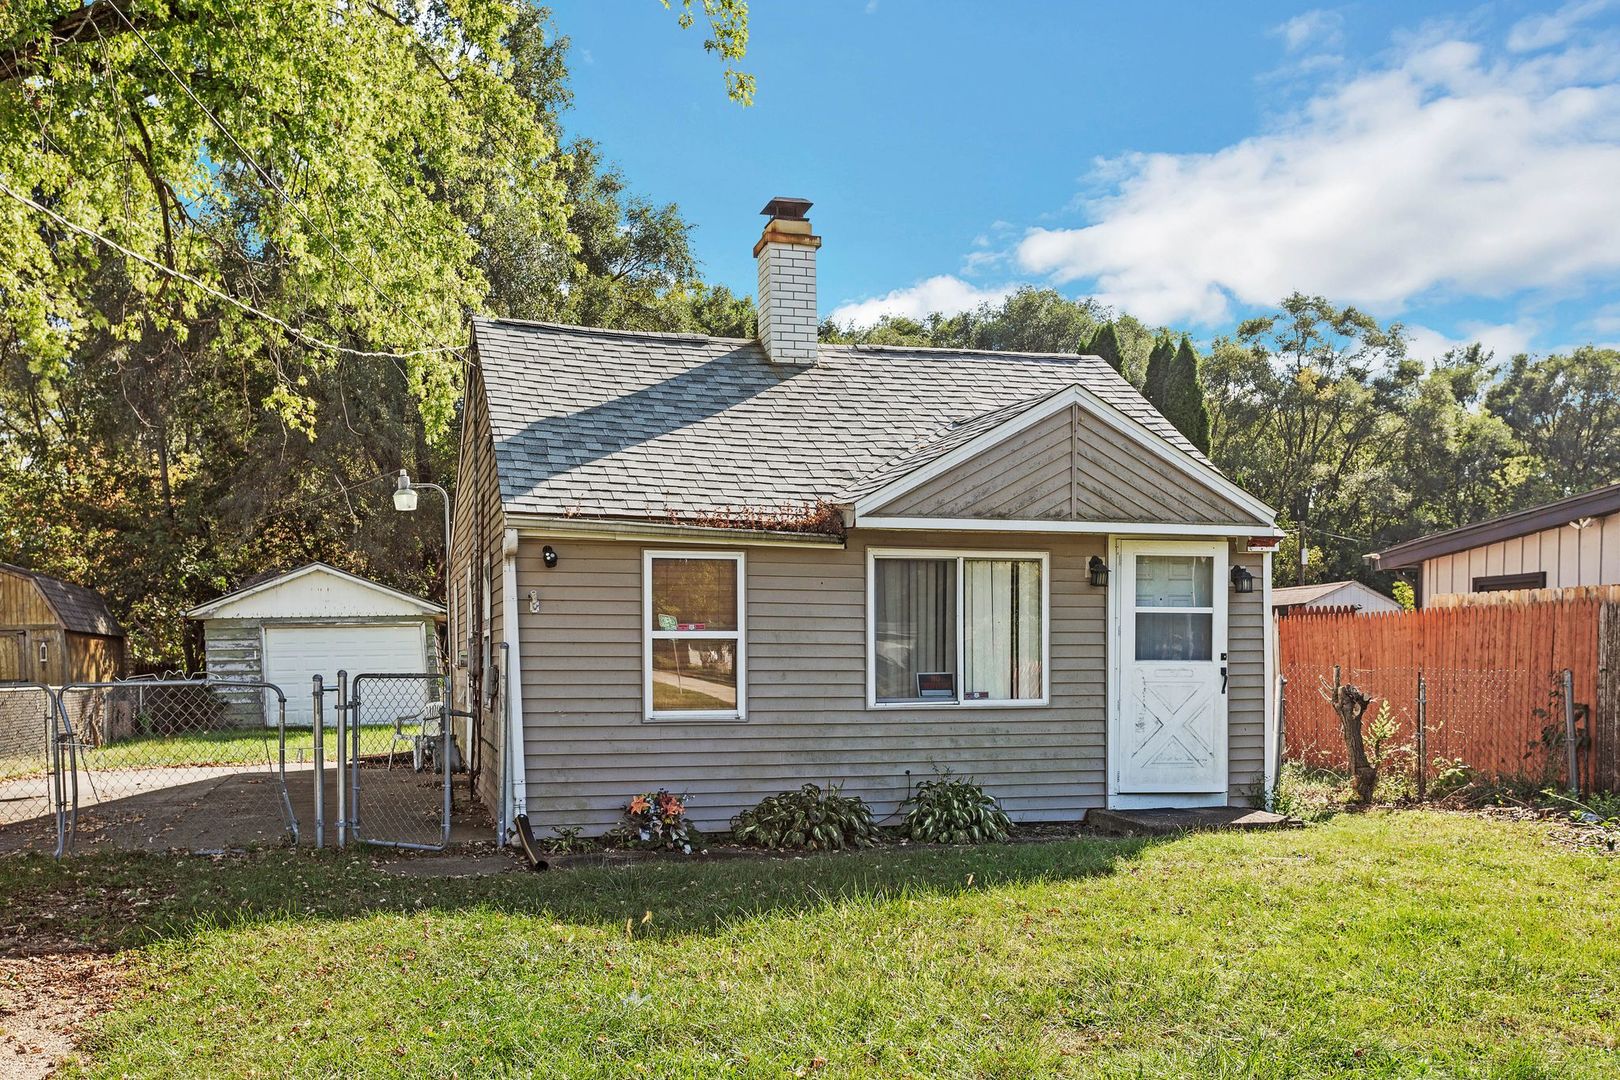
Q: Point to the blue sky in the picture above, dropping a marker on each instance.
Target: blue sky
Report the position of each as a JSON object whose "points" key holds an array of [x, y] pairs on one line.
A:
{"points": [[1455, 167]]}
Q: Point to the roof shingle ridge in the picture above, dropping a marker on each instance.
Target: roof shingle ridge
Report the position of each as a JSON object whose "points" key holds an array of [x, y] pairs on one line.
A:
{"points": [[570, 328]]}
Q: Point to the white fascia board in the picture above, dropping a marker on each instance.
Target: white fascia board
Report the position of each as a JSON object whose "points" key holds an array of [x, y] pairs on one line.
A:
{"points": [[1023, 525], [1113, 417], [538, 526]]}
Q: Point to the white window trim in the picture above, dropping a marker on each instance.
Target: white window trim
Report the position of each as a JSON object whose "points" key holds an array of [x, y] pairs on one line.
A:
{"points": [[959, 554], [649, 635]]}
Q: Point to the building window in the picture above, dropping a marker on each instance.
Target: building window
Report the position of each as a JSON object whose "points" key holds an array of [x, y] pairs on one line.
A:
{"points": [[694, 623], [1510, 582], [948, 628]]}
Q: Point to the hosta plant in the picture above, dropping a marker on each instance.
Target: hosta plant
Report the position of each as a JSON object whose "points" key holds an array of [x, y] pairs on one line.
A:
{"points": [[656, 819], [808, 818], [954, 810]]}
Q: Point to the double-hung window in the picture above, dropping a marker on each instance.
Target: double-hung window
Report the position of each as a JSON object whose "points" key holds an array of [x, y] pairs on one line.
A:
{"points": [[693, 627], [948, 628]]}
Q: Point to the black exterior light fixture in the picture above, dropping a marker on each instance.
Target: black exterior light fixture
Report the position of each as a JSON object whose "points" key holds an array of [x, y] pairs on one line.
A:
{"points": [[548, 555], [1242, 580], [1098, 570]]}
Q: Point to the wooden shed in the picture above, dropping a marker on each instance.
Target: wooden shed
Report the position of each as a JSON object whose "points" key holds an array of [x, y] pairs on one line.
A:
{"points": [[55, 632]]}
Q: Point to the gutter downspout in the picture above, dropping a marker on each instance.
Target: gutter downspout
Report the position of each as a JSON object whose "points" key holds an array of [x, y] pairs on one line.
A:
{"points": [[517, 766]]}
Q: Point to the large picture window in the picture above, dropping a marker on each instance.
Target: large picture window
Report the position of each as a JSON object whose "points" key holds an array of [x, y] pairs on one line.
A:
{"points": [[693, 624], [957, 629]]}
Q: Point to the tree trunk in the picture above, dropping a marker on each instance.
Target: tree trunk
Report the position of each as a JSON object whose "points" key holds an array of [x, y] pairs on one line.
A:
{"points": [[1351, 705]]}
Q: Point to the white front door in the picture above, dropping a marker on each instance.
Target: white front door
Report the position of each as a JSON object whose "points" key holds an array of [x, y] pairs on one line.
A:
{"points": [[1168, 744]]}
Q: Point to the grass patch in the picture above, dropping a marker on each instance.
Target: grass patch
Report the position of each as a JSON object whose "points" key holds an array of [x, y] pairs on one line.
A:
{"points": [[1377, 944]]}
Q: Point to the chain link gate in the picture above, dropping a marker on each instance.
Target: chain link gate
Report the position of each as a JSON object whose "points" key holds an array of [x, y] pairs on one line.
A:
{"points": [[162, 764], [35, 793], [395, 760]]}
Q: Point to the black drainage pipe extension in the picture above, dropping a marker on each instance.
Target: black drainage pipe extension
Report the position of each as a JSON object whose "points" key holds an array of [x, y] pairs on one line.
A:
{"points": [[531, 846]]}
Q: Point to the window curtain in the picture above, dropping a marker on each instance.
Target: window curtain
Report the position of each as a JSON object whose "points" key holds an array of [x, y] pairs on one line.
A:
{"points": [[1001, 601], [915, 610]]}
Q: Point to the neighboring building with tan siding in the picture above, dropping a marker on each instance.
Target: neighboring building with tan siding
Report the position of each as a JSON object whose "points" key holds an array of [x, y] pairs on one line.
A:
{"points": [[733, 571], [1563, 544]]}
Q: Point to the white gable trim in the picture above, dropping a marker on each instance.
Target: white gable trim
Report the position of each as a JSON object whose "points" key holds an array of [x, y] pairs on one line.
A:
{"points": [[1073, 395], [205, 610], [1084, 528]]}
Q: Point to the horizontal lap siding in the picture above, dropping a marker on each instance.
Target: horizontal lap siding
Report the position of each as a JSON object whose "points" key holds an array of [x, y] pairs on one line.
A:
{"points": [[1246, 689], [232, 651], [588, 748]]}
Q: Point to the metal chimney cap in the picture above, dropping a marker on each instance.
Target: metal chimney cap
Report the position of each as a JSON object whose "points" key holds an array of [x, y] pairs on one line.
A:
{"points": [[787, 209]]}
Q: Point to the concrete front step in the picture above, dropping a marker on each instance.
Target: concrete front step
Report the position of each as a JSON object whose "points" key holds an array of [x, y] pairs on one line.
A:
{"points": [[1169, 821]]}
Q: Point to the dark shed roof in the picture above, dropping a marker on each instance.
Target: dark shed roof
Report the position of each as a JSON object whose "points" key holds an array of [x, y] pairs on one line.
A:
{"points": [[79, 609], [1412, 553]]}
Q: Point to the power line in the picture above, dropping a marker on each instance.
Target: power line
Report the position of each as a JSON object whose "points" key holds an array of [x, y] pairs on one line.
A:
{"points": [[270, 181], [308, 339]]}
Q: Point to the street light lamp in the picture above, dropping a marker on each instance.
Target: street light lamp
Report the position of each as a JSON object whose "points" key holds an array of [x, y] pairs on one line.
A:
{"points": [[405, 500]]}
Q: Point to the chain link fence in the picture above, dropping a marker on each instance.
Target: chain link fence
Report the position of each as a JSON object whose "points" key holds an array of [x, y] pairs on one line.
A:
{"points": [[30, 794], [178, 764], [400, 760], [1431, 730]]}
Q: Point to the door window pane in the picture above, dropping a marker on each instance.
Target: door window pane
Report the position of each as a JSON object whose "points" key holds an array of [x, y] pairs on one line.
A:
{"points": [[694, 674], [914, 632], [1162, 635], [1001, 624], [694, 594], [1175, 581]]}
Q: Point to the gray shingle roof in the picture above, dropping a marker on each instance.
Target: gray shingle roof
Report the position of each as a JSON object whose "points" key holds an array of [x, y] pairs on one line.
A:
{"points": [[81, 610], [640, 425]]}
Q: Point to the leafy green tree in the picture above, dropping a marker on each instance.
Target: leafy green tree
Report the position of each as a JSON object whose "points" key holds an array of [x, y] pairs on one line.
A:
{"points": [[1306, 412], [1105, 343], [1565, 411], [1156, 378], [1184, 404], [301, 207]]}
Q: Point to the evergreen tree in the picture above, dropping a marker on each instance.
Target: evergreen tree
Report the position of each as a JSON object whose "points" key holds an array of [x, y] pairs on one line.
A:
{"points": [[1105, 343], [1184, 403], [1156, 383]]}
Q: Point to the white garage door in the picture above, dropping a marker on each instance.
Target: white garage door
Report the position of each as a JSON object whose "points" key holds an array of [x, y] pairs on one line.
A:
{"points": [[294, 655]]}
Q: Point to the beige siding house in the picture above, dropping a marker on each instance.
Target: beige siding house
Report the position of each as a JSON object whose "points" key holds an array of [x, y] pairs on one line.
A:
{"points": [[1564, 544], [704, 564]]}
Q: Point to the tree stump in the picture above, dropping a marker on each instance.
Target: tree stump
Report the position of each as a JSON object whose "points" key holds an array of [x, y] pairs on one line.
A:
{"points": [[1351, 705]]}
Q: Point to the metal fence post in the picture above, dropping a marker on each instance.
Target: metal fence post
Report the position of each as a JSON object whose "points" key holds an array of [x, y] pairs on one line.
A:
{"points": [[445, 742], [1569, 732], [342, 758], [1422, 736], [318, 714]]}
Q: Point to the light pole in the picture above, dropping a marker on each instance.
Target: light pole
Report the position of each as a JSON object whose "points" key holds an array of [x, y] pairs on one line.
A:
{"points": [[405, 500]]}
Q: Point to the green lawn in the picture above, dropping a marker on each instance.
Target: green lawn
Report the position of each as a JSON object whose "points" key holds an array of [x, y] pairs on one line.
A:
{"points": [[1386, 944]]}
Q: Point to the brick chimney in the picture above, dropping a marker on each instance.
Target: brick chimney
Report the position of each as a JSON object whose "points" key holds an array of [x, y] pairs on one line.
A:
{"points": [[787, 283]]}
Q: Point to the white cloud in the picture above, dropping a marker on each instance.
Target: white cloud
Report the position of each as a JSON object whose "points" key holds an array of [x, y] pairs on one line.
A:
{"points": [[1447, 171], [944, 293], [1316, 29], [1545, 31], [1504, 340]]}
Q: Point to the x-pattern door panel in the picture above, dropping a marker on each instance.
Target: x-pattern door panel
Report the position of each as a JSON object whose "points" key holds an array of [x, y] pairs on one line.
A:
{"points": [[1171, 731]]}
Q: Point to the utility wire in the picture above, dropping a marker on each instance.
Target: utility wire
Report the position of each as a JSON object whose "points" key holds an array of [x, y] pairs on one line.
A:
{"points": [[307, 338], [271, 182]]}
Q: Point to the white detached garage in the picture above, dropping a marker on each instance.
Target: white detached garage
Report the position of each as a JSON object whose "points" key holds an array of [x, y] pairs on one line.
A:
{"points": [[316, 620]]}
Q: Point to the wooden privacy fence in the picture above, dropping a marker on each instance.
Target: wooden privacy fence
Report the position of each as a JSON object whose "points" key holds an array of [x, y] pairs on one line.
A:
{"points": [[1479, 685]]}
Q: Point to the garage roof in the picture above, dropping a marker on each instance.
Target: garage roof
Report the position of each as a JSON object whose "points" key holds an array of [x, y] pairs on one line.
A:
{"points": [[380, 600]]}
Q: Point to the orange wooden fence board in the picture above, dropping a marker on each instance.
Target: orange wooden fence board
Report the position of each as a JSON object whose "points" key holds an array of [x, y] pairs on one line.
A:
{"points": [[1492, 674]]}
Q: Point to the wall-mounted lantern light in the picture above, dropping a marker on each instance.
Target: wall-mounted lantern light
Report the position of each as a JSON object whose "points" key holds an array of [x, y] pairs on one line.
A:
{"points": [[548, 555], [534, 601], [42, 653], [1098, 570], [1242, 580]]}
